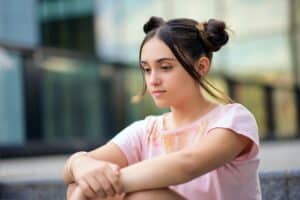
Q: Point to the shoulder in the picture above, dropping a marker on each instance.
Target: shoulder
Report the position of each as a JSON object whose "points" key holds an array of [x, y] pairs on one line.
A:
{"points": [[237, 118], [236, 112], [144, 125], [235, 108], [153, 122]]}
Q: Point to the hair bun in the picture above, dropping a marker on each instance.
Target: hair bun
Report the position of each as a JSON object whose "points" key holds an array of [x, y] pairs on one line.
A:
{"points": [[153, 23], [217, 34]]}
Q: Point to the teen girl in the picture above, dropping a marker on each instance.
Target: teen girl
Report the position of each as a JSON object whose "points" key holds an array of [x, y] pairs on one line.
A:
{"points": [[200, 150]]}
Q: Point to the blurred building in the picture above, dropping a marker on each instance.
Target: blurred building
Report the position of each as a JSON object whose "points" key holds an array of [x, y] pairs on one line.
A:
{"points": [[68, 67]]}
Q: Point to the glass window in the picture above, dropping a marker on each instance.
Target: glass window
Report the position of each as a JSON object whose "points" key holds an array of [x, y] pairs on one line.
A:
{"points": [[11, 99], [68, 24], [72, 99]]}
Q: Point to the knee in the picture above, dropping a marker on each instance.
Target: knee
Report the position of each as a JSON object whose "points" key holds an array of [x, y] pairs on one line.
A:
{"points": [[164, 194], [136, 196]]}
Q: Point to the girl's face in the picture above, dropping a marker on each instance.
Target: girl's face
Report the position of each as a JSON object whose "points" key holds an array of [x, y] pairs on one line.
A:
{"points": [[166, 79]]}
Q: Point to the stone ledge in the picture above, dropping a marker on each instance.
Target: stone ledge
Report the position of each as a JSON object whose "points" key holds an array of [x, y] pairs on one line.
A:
{"points": [[280, 185], [277, 185], [32, 190]]}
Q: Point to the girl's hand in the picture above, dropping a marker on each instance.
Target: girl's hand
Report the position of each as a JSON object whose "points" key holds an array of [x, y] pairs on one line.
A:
{"points": [[97, 178]]}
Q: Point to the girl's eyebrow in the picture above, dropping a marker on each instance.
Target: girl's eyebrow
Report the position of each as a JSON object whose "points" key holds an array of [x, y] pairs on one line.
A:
{"points": [[160, 60]]}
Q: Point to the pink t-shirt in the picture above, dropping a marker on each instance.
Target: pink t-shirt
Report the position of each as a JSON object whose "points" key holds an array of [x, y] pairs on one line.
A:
{"points": [[235, 180]]}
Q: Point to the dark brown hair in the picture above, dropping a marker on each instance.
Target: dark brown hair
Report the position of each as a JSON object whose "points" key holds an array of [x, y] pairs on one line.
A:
{"points": [[189, 40]]}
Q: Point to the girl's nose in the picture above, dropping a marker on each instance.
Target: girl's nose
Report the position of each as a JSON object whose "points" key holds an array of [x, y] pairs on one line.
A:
{"points": [[154, 79]]}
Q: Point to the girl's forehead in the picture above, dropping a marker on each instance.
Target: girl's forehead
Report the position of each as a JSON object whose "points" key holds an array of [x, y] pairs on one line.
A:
{"points": [[155, 49]]}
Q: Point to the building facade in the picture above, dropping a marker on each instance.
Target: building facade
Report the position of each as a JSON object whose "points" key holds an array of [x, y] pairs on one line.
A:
{"points": [[68, 67]]}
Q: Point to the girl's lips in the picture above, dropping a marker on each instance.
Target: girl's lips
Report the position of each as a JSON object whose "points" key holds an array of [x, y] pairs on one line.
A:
{"points": [[158, 93]]}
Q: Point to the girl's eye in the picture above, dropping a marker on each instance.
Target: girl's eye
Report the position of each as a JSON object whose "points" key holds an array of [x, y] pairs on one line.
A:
{"points": [[166, 67], [146, 70]]}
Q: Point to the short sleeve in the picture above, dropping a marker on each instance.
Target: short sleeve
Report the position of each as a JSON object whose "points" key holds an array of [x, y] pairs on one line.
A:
{"points": [[241, 121], [130, 140]]}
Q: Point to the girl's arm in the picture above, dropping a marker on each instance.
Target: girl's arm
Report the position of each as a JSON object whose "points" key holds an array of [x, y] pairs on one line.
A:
{"points": [[109, 152], [96, 172], [208, 153]]}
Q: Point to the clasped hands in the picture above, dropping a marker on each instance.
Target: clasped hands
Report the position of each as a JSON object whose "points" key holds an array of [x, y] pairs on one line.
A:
{"points": [[96, 178]]}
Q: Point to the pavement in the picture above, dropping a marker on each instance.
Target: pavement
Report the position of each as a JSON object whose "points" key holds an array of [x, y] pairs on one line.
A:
{"points": [[283, 155], [274, 156]]}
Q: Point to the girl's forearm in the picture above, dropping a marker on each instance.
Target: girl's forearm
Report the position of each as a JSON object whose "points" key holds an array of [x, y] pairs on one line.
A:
{"points": [[158, 172]]}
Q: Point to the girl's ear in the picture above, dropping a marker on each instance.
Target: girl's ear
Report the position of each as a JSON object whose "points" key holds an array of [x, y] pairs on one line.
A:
{"points": [[202, 66]]}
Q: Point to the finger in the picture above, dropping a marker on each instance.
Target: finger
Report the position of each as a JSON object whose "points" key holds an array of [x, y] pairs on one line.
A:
{"points": [[97, 187], [101, 194], [115, 168], [86, 189], [114, 181], [106, 185], [93, 183]]}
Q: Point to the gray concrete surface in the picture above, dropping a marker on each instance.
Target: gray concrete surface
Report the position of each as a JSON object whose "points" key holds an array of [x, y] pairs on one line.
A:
{"points": [[274, 156], [283, 155], [36, 168]]}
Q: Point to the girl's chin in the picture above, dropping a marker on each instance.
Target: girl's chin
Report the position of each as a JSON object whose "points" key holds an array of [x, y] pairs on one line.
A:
{"points": [[161, 104]]}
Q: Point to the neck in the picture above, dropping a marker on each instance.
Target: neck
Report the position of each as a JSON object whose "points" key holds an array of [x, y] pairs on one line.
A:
{"points": [[188, 111]]}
